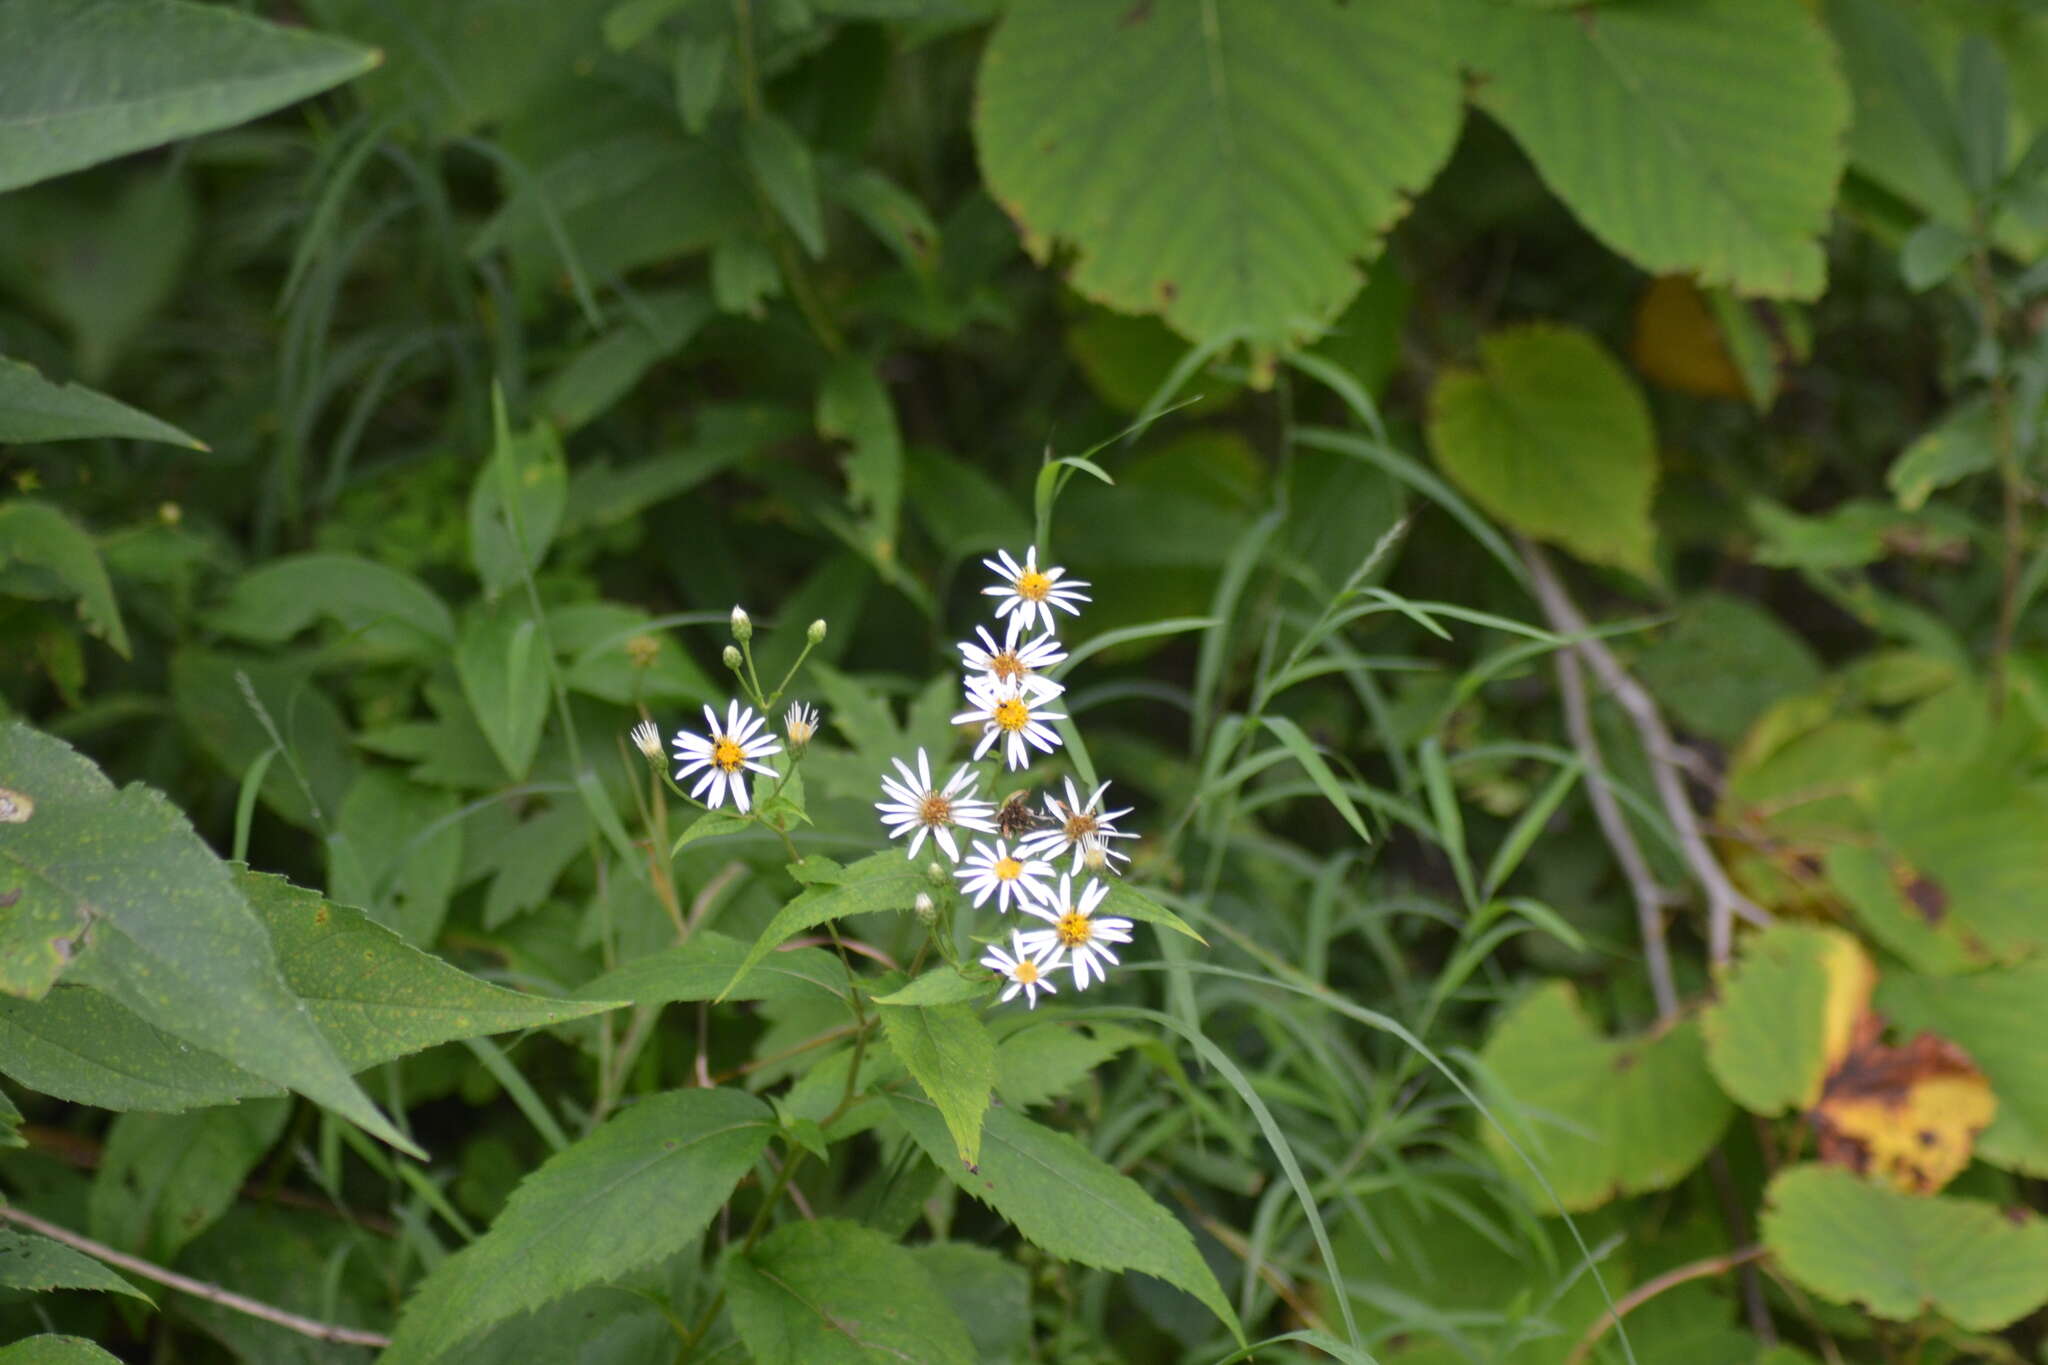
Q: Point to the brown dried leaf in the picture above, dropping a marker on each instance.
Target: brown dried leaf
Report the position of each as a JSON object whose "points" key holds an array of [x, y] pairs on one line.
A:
{"points": [[1908, 1115]]}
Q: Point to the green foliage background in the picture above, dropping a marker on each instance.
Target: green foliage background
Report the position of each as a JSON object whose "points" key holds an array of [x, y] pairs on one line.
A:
{"points": [[1561, 484]]}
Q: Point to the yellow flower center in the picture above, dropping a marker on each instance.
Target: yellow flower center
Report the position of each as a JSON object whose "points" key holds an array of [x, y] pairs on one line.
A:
{"points": [[1074, 929], [936, 810], [1008, 868], [1012, 714], [727, 754], [1080, 824], [1007, 665], [1033, 586], [1026, 973]]}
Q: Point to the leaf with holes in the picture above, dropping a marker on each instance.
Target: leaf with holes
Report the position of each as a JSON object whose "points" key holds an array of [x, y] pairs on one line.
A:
{"points": [[1168, 143]]}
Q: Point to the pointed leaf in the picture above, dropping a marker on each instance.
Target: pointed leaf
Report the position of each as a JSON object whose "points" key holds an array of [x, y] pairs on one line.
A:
{"points": [[384, 607], [44, 538], [55, 1350], [82, 81], [504, 670], [703, 966], [946, 1049], [34, 409], [831, 1292], [881, 881], [640, 1188], [33, 1262], [1067, 1201]]}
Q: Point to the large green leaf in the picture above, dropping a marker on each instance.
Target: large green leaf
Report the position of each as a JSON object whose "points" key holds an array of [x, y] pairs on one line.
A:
{"points": [[162, 926], [1067, 1201], [164, 1178], [640, 1188], [989, 1292], [1850, 1240], [33, 409], [1692, 136], [1602, 1117], [880, 881], [1223, 164], [30, 1261], [1550, 435], [85, 80], [1786, 1015], [946, 1049], [38, 539], [503, 664], [79, 1045], [830, 1292], [1995, 1017], [703, 966], [383, 607]]}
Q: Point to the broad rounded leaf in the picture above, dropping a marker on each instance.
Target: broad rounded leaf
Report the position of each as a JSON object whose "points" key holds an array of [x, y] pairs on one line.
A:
{"points": [[1995, 1016], [641, 1187], [387, 607], [46, 539], [1697, 136], [1976, 843], [1787, 1015], [1067, 1201], [1606, 1116], [1898, 1254], [1550, 435], [1223, 164], [85, 80], [831, 1292]]}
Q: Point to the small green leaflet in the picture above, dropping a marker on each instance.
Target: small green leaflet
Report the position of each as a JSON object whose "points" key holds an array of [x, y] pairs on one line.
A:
{"points": [[34, 409]]}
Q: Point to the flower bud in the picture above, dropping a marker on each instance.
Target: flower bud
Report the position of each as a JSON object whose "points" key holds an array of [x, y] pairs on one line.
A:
{"points": [[647, 740], [742, 624], [816, 634], [732, 657], [934, 874], [924, 908]]}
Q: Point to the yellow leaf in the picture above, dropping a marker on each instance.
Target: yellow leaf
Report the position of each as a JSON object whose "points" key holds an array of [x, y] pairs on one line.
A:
{"points": [[1908, 1116], [1678, 344]]}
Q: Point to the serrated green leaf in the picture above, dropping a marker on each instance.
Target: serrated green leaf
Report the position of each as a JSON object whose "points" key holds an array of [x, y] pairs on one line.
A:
{"points": [[164, 1178], [46, 540], [86, 80], [1603, 1117], [55, 1350], [1994, 1016], [990, 1294], [1066, 1201], [382, 607], [1850, 1240], [702, 966], [639, 1188], [1042, 1061], [166, 929], [1697, 136], [710, 825], [940, 986], [1550, 435], [881, 881], [947, 1051], [830, 1292], [1190, 202], [79, 1045], [34, 409], [1786, 1015], [503, 664], [31, 1261]]}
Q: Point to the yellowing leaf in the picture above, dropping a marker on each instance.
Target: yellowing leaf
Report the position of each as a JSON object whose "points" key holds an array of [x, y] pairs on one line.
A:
{"points": [[1678, 342], [1906, 1115], [1787, 1016]]}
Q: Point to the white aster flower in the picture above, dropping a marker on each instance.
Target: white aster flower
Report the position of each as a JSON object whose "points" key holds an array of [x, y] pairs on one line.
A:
{"points": [[725, 758], [1016, 660], [1015, 715], [1084, 830], [997, 870], [800, 724], [1075, 929], [647, 739], [1030, 591], [915, 804], [1027, 969]]}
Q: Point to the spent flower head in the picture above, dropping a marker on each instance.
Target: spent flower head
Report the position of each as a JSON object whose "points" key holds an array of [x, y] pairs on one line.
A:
{"points": [[647, 739], [1012, 715], [1028, 969], [1082, 829], [799, 726], [917, 807], [725, 755], [1077, 930], [1031, 591]]}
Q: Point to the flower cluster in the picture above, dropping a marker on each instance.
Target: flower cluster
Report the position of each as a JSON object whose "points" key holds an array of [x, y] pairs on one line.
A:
{"points": [[729, 749], [1010, 696]]}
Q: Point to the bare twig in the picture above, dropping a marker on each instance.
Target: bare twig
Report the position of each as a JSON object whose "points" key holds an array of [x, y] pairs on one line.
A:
{"points": [[1650, 898], [212, 1293], [1650, 1289], [1725, 904]]}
